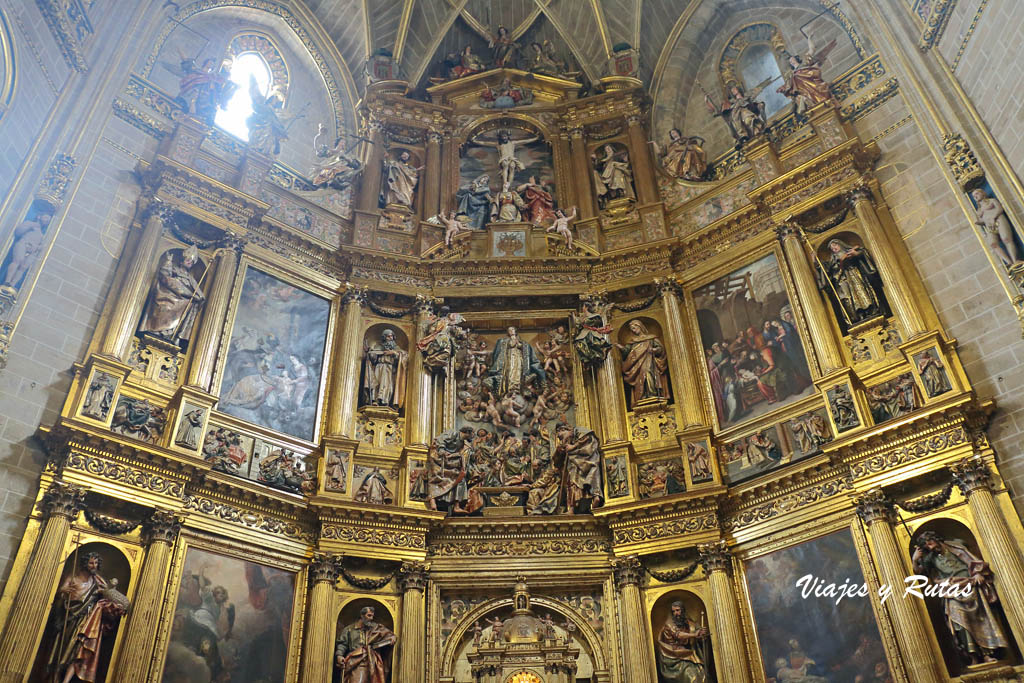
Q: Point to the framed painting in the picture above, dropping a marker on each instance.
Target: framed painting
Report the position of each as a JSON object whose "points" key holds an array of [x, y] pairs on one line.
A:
{"points": [[754, 356], [273, 371], [789, 624], [232, 620]]}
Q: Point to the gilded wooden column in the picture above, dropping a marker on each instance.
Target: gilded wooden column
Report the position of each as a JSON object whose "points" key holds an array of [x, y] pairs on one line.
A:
{"points": [[565, 186], [901, 299], [643, 166], [716, 560], [345, 377], [431, 201], [419, 413], [909, 620], [684, 374], [369, 190], [159, 532], [211, 327], [608, 383], [581, 172], [60, 504], [636, 660], [412, 645], [318, 652], [134, 286], [973, 478], [825, 346]]}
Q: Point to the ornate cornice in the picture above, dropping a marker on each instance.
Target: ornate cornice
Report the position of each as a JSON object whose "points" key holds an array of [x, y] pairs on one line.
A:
{"points": [[63, 500], [134, 477], [249, 518]]}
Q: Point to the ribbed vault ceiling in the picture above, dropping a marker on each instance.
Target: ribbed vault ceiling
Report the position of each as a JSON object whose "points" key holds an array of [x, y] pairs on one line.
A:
{"points": [[416, 30]]}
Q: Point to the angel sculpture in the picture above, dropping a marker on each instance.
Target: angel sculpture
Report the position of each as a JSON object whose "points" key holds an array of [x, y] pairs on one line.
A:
{"points": [[202, 91], [267, 122], [452, 227], [561, 225], [505, 49], [339, 169], [684, 156], [804, 85], [507, 161], [741, 112]]}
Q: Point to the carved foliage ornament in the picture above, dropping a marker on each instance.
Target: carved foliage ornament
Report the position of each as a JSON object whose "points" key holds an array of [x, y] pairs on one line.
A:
{"points": [[674, 527], [69, 24], [970, 475], [875, 506], [961, 161], [380, 537], [63, 500], [715, 557]]}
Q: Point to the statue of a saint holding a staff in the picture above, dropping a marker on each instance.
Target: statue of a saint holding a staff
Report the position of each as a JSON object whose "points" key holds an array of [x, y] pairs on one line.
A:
{"points": [[175, 297]]}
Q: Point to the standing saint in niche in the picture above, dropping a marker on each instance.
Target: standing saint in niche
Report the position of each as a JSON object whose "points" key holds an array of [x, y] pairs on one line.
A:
{"points": [[175, 297], [644, 364], [400, 178], [853, 277]]}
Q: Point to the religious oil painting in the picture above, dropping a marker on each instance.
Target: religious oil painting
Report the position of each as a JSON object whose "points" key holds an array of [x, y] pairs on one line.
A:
{"points": [[790, 627], [275, 358], [231, 622], [754, 355]]}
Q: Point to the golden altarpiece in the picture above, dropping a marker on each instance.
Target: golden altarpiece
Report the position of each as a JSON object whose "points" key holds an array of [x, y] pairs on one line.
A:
{"points": [[524, 452]]}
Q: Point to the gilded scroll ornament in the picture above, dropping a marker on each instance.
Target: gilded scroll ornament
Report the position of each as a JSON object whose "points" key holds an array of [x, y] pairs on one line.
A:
{"points": [[961, 160]]}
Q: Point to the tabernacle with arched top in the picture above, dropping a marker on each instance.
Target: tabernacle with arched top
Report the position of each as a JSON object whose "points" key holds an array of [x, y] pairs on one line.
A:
{"points": [[532, 341]]}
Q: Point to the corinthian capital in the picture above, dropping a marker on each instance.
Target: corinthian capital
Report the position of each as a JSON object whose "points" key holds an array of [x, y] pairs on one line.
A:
{"points": [[412, 576], [875, 506], [970, 475], [162, 526], [628, 571], [63, 500], [324, 568], [715, 557]]}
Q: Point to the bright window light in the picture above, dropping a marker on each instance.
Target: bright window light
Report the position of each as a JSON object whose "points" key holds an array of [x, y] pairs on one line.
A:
{"points": [[233, 117]]}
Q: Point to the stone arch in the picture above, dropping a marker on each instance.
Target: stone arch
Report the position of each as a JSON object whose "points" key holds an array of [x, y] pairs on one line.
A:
{"points": [[587, 633], [304, 28]]}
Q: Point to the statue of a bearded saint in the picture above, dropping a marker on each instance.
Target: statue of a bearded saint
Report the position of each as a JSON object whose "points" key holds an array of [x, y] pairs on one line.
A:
{"points": [[384, 372], [357, 650], [512, 363], [678, 646], [175, 296], [971, 619], [86, 609], [400, 178]]}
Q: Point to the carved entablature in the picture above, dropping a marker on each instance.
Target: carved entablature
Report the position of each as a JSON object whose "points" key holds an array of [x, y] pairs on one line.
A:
{"points": [[199, 196], [831, 174], [652, 526]]}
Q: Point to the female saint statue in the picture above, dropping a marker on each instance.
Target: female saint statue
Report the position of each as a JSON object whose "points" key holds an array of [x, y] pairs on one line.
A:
{"points": [[852, 272]]}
